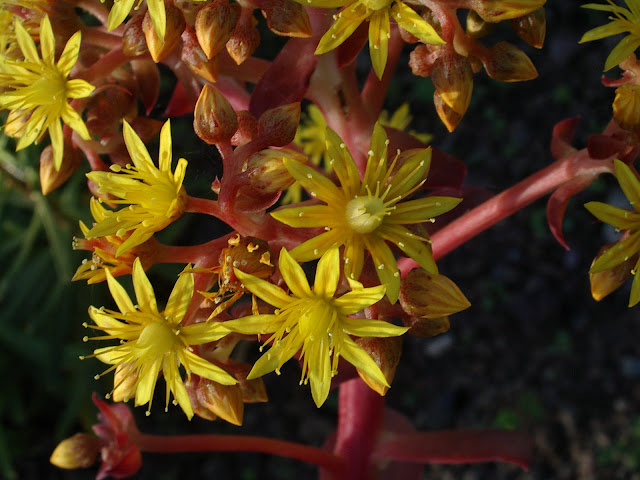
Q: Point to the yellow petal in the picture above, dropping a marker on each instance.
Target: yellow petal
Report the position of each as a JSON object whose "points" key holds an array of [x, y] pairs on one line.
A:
{"points": [[306, 217], [413, 23], [618, 217], [119, 294], [47, 42], [144, 291], [293, 275], [360, 359], [327, 273], [268, 292], [342, 163], [137, 150], [358, 299], [180, 298], [319, 370], [348, 20], [254, 324], [379, 32], [318, 185], [118, 13], [200, 366], [164, 159], [363, 327], [316, 246], [386, 266], [629, 183], [147, 377]]}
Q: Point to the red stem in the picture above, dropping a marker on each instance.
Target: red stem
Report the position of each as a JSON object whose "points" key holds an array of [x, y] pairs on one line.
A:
{"points": [[509, 202], [238, 443], [360, 414]]}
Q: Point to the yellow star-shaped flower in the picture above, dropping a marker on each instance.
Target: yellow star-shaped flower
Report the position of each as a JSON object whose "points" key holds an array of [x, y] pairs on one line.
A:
{"points": [[623, 220], [154, 341], [154, 195], [365, 214], [313, 321], [37, 90], [378, 14]]}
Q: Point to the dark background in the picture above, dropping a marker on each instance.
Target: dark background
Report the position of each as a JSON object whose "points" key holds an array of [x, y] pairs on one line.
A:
{"points": [[534, 352]]}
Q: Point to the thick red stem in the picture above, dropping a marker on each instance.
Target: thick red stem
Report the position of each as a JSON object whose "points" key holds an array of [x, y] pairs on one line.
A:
{"points": [[360, 415]]}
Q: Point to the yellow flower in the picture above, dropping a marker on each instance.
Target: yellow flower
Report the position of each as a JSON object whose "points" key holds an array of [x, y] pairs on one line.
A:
{"points": [[400, 120], [313, 321], [377, 13], [155, 196], [36, 90], [624, 20], [623, 220], [365, 214], [122, 8], [152, 341], [103, 251]]}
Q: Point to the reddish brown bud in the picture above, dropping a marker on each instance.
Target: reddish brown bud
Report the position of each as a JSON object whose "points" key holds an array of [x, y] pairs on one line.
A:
{"points": [[266, 171], [50, 177], [447, 115], [134, 42], [78, 451], [286, 18], [426, 327], [214, 25], [386, 352], [224, 401], [605, 282], [245, 38], [452, 77], [626, 106], [194, 57], [253, 391], [277, 126], [247, 128], [476, 27], [159, 48], [421, 59], [507, 63], [214, 118], [106, 109], [531, 28], [430, 295]]}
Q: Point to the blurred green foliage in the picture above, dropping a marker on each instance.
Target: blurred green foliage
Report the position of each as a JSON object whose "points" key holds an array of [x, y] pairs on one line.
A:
{"points": [[45, 385]]}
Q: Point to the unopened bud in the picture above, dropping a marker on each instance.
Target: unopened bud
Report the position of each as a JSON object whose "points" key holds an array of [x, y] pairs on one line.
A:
{"points": [[626, 106], [224, 401], [452, 77], [134, 42], [107, 107], [253, 391], [250, 255], [476, 27], [16, 120], [247, 128], [507, 63], [160, 47], [422, 58], [430, 295], [277, 126], [52, 177], [286, 18], [266, 171], [245, 38], [447, 115], [498, 10], [386, 352], [426, 327], [214, 119], [125, 381], [607, 281], [78, 451], [531, 28], [214, 25], [194, 57]]}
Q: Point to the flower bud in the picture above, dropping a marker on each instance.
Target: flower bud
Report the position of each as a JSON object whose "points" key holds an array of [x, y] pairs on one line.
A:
{"points": [[426, 327], [253, 391], [78, 451], [607, 281], [286, 18], [245, 38], [266, 171], [52, 177], [247, 128], [386, 352], [193, 56], [498, 10], [430, 295], [476, 27], [160, 47], [125, 382], [453, 79], [447, 115], [422, 58], [224, 401], [277, 126], [16, 120], [531, 28], [134, 42], [626, 106], [214, 119], [214, 25], [507, 63], [107, 107]]}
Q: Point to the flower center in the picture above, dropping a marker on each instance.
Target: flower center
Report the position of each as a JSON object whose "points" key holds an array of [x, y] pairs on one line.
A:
{"points": [[365, 214], [51, 88], [156, 339], [316, 319], [376, 4]]}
